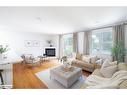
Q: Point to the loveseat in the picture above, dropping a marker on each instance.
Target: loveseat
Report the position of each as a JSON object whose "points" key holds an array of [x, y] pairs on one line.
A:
{"points": [[88, 62]]}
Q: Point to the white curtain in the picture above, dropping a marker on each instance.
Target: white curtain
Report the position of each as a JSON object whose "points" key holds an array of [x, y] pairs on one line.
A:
{"points": [[87, 42], [60, 46], [75, 42], [119, 35]]}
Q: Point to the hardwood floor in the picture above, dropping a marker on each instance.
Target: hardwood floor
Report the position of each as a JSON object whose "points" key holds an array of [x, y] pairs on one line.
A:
{"points": [[24, 75]]}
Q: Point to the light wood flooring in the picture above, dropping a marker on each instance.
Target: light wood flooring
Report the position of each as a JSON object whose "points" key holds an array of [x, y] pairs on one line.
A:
{"points": [[24, 75]]}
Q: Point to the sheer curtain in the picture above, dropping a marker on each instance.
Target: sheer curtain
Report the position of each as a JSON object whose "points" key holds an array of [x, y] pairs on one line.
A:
{"points": [[75, 42], [60, 46], [87, 42], [119, 35]]}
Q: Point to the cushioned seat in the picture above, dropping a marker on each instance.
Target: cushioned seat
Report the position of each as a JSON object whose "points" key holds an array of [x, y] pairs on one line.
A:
{"points": [[123, 85], [87, 62], [97, 72], [84, 65]]}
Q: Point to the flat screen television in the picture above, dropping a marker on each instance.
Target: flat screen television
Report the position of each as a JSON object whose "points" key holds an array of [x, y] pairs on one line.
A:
{"points": [[51, 52]]}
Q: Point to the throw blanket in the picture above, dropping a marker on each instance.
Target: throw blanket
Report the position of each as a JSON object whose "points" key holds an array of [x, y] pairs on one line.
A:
{"points": [[95, 81]]}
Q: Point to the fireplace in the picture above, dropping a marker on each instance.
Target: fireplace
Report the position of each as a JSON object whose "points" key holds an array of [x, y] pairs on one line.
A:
{"points": [[50, 52]]}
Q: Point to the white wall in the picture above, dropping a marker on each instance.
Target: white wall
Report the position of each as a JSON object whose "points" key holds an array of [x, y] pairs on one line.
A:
{"points": [[16, 41]]}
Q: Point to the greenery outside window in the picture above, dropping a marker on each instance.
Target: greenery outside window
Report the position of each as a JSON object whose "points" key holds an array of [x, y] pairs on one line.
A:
{"points": [[68, 44], [102, 41]]}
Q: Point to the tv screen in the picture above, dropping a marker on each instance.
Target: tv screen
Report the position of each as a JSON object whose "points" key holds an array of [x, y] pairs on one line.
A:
{"points": [[50, 52]]}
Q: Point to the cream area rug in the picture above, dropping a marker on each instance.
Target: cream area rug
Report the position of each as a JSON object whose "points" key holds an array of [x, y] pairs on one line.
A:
{"points": [[44, 76]]}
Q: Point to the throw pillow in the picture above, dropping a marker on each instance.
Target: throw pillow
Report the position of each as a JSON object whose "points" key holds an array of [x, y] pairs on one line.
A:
{"points": [[100, 61], [79, 56], [73, 55], [93, 59], [107, 63], [86, 59], [108, 71]]}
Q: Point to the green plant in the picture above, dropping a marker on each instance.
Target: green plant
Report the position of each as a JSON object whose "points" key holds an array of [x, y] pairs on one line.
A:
{"points": [[118, 52], [3, 49]]}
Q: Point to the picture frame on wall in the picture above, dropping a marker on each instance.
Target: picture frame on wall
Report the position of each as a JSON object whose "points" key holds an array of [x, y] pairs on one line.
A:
{"points": [[36, 43], [28, 43]]}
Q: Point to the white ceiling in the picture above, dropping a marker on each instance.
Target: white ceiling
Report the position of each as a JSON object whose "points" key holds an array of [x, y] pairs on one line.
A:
{"points": [[59, 20]]}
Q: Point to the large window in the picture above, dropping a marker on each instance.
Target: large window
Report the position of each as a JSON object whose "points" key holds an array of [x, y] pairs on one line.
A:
{"points": [[102, 41], [68, 44]]}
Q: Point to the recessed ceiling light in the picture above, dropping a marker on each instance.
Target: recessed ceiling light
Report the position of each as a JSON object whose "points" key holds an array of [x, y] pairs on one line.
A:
{"points": [[97, 22], [39, 19]]}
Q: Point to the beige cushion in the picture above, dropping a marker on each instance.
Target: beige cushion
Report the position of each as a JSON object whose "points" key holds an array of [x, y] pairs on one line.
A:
{"points": [[86, 59], [84, 65], [107, 63], [93, 59], [73, 55], [79, 56], [97, 72], [108, 71]]}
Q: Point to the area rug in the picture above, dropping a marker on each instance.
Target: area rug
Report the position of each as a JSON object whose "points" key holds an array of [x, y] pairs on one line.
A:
{"points": [[44, 76]]}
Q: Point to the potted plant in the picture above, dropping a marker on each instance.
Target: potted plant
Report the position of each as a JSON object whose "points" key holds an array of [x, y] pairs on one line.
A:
{"points": [[49, 42], [118, 52], [3, 50]]}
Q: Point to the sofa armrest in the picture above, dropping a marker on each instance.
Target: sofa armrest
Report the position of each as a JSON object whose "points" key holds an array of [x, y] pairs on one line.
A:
{"points": [[97, 66]]}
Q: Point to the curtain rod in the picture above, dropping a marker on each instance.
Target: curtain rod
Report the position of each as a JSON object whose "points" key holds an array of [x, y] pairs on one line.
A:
{"points": [[107, 26], [124, 23]]}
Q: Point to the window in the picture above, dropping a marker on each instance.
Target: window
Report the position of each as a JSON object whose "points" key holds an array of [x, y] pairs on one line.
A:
{"points": [[102, 41], [68, 44]]}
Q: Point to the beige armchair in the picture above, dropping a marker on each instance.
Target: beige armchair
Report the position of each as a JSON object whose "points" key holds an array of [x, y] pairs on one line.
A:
{"points": [[30, 59]]}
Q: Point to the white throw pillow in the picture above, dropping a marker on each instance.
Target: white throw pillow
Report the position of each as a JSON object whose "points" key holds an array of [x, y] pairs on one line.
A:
{"points": [[93, 59], [100, 61], [86, 59], [107, 63], [73, 55], [108, 71]]}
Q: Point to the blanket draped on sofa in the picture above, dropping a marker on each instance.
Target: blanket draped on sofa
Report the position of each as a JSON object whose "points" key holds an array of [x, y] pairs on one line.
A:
{"points": [[95, 81]]}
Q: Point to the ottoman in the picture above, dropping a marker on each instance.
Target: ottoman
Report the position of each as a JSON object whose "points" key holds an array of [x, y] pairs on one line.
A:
{"points": [[66, 77]]}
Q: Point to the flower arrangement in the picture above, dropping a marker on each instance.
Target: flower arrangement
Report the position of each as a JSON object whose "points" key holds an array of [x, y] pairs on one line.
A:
{"points": [[65, 61]]}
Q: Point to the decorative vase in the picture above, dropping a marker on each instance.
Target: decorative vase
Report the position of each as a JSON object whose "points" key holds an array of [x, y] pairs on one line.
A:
{"points": [[50, 45]]}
